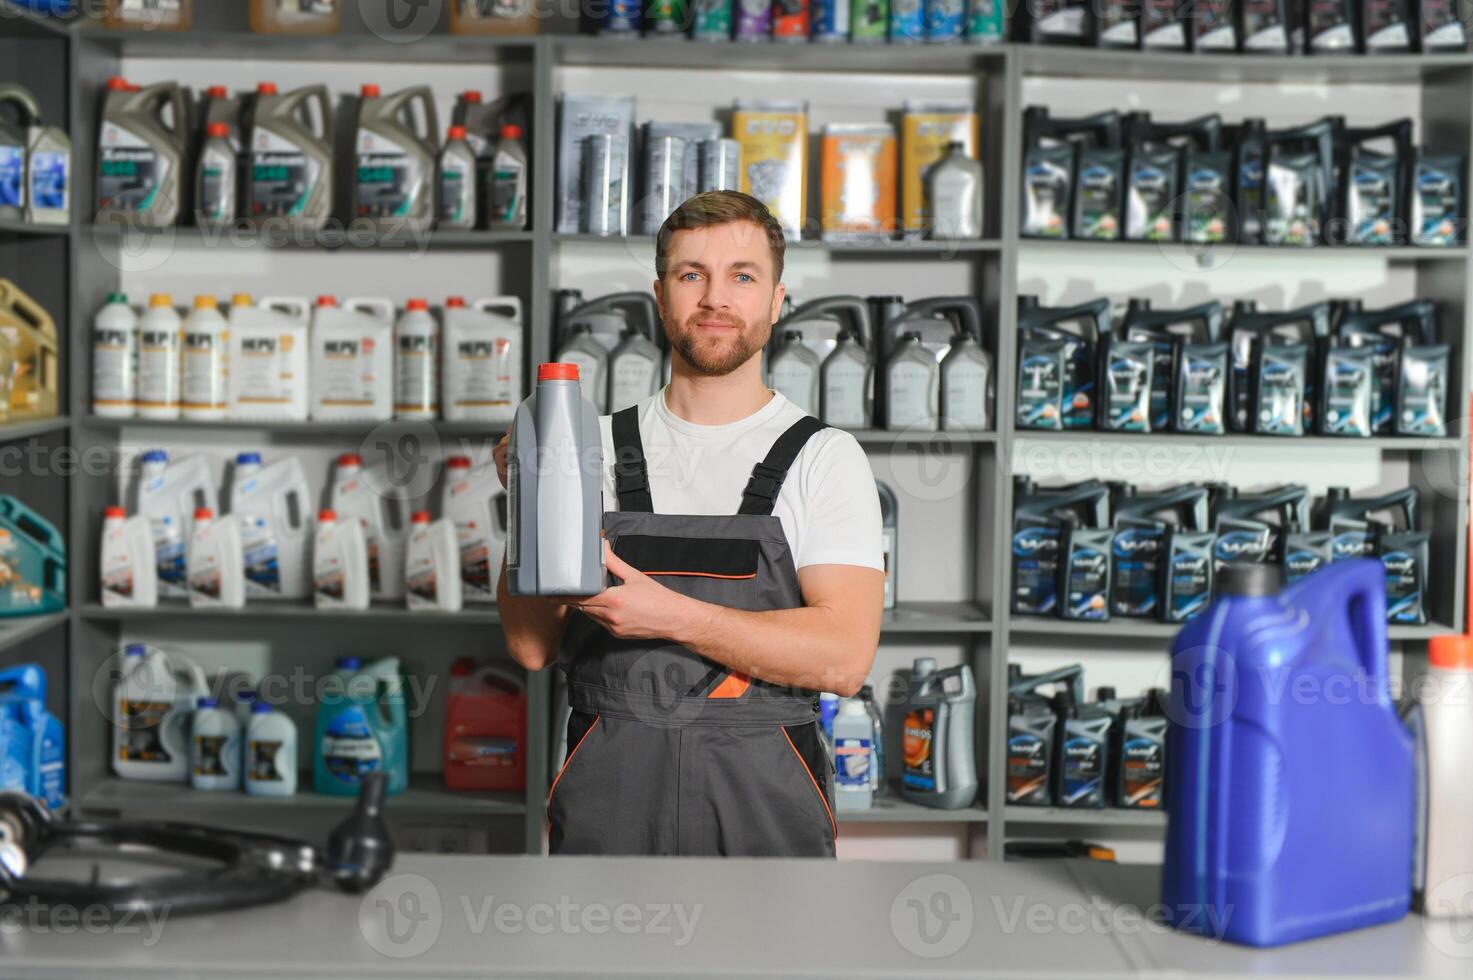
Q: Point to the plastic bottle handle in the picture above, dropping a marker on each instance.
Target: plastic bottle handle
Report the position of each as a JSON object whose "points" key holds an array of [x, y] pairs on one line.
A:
{"points": [[30, 109], [500, 304], [297, 307], [430, 118], [157, 95], [380, 308], [318, 94]]}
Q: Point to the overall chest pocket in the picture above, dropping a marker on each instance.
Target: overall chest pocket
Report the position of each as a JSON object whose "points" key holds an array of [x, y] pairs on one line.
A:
{"points": [[720, 559]]}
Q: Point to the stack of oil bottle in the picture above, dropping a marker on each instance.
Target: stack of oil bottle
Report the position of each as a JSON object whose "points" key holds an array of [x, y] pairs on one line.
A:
{"points": [[278, 17], [1248, 26], [1094, 551], [925, 367], [1109, 177], [223, 157], [1334, 368], [802, 21], [1066, 751]]}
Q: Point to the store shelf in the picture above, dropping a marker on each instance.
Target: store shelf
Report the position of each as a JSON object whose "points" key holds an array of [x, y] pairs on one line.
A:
{"points": [[885, 248], [1155, 440], [381, 613], [283, 237], [892, 809], [321, 428], [426, 795], [1127, 629], [357, 46], [19, 629], [14, 431], [936, 617], [1070, 62], [10, 227], [1084, 818], [681, 52], [1185, 254]]}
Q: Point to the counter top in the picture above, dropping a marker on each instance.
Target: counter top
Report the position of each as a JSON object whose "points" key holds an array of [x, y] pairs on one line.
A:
{"points": [[452, 916]]}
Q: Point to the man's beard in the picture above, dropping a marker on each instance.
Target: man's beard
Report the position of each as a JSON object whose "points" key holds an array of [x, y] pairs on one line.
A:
{"points": [[716, 355]]}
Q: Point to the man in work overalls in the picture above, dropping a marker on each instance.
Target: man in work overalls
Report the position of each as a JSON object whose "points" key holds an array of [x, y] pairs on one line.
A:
{"points": [[746, 537]]}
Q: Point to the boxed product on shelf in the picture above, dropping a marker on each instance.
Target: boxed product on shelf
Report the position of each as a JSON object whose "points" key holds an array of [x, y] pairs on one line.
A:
{"points": [[858, 181], [774, 140], [581, 117]]}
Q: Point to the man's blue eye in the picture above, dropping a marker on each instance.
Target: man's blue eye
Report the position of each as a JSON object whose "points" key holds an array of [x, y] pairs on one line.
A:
{"points": [[688, 275], [743, 275]]}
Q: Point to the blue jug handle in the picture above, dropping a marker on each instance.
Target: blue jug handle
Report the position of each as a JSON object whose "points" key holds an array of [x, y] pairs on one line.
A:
{"points": [[1358, 587]]}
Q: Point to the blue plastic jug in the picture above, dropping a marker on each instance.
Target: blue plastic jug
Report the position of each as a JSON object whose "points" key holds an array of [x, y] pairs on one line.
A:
{"points": [[32, 562], [1290, 789], [362, 727], [32, 745]]}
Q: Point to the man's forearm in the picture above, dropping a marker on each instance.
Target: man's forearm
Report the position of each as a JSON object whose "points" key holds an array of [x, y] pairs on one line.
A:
{"points": [[533, 625], [810, 646]]}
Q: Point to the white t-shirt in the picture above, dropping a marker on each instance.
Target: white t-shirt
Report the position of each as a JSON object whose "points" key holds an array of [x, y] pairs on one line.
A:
{"points": [[828, 505]]}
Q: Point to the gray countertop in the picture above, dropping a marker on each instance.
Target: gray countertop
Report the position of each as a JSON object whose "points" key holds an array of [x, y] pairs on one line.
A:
{"points": [[449, 916]]}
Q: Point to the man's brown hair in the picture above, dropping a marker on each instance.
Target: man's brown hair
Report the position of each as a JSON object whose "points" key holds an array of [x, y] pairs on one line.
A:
{"points": [[720, 208]]}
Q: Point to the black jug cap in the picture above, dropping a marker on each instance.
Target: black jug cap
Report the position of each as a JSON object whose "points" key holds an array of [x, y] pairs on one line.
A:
{"points": [[1105, 694], [1337, 493], [1250, 579]]}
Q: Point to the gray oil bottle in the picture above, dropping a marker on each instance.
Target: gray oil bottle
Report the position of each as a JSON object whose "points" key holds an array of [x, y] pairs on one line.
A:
{"points": [[217, 180], [846, 383], [1033, 734], [1397, 336], [1250, 333], [634, 369], [1350, 519], [794, 370], [1140, 757], [1403, 555], [394, 184], [940, 729], [1372, 195], [140, 160], [954, 195], [1421, 392], [291, 158], [457, 183], [912, 383], [967, 377], [585, 351]]}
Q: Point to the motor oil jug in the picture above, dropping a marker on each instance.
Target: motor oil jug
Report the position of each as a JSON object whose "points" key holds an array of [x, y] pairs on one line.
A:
{"points": [[940, 767], [432, 565], [1374, 165], [481, 366], [794, 370], [114, 360], [273, 506], [32, 561], [352, 364], [215, 564], [605, 317], [1267, 385], [203, 393], [1351, 521], [634, 371], [1187, 574], [160, 343], [1140, 754], [339, 563], [396, 146], [1039, 519], [967, 377], [289, 175], [1298, 183], [1033, 733], [215, 755], [954, 195], [32, 740], [1056, 363], [270, 752], [1084, 573], [1437, 199], [507, 195], [1244, 535], [168, 494], [1084, 747], [1391, 334], [472, 499], [591, 359], [35, 164], [456, 183], [129, 575], [153, 701], [854, 756], [1404, 557], [1421, 391], [890, 535], [1265, 836], [1059, 156], [1266, 26], [270, 360], [1329, 27], [362, 727], [485, 744], [216, 178], [912, 386], [554, 543], [295, 16], [1169, 332], [385, 520], [1347, 391], [1126, 370], [416, 362], [1151, 174], [140, 177], [1306, 552], [1141, 543], [30, 333]]}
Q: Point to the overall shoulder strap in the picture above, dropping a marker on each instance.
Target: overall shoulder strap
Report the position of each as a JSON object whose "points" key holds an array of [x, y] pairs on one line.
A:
{"points": [[768, 476], [631, 478]]}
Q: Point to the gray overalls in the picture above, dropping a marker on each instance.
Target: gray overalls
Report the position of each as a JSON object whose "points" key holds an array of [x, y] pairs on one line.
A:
{"points": [[668, 752]]}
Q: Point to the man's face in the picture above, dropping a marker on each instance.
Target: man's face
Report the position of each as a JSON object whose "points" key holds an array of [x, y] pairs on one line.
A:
{"points": [[719, 298]]}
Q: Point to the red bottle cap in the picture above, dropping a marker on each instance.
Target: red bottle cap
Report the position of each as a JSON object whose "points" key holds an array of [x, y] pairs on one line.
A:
{"points": [[511, 131], [218, 92], [203, 513], [370, 91], [463, 667], [117, 84], [455, 303], [420, 517], [326, 300], [557, 371], [457, 132], [218, 130], [266, 88], [350, 459], [327, 514], [471, 95], [115, 512], [1452, 652], [458, 462], [418, 305]]}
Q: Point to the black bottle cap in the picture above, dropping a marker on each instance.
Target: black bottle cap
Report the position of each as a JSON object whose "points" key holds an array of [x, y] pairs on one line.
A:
{"points": [[1337, 493], [1250, 579], [1105, 694]]}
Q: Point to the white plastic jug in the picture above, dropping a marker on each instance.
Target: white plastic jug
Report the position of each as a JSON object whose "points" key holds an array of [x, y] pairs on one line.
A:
{"points": [[130, 575], [353, 359], [432, 566], [1447, 701], [472, 499], [273, 505], [385, 520], [115, 359], [160, 337], [270, 753], [481, 360], [270, 362], [417, 362], [215, 757], [167, 495], [203, 380], [153, 701], [215, 565], [339, 563]]}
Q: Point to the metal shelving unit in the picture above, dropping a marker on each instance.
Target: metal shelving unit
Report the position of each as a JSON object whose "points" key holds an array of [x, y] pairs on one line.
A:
{"points": [[981, 624]]}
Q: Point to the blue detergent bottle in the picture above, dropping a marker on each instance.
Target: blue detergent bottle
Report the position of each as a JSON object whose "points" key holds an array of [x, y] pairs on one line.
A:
{"points": [[1290, 787], [32, 561], [32, 744], [362, 727]]}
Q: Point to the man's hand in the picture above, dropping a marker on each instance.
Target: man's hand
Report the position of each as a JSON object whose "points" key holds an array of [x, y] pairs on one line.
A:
{"points": [[499, 454], [640, 608]]}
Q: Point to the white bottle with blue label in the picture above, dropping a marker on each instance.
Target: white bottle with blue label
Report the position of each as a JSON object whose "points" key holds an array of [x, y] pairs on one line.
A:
{"points": [[214, 756], [853, 756], [168, 495], [270, 753]]}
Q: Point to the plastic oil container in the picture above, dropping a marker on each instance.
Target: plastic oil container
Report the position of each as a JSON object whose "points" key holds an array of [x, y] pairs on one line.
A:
{"points": [[854, 756], [270, 359], [140, 178], [339, 563], [481, 360], [216, 179], [214, 747], [940, 763], [1140, 765], [473, 500], [352, 360], [160, 344], [1258, 785], [362, 727], [794, 369], [507, 195], [394, 187], [385, 520], [215, 565], [432, 565], [32, 561], [289, 176], [967, 378], [273, 505], [1056, 363], [115, 359], [153, 701], [912, 386], [32, 740], [30, 333], [203, 383], [129, 576], [270, 752], [555, 490], [416, 362], [168, 494], [35, 163], [1449, 718], [485, 742], [456, 185], [634, 371], [1084, 752], [489, 17], [295, 16], [591, 360], [847, 383], [1244, 533]]}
